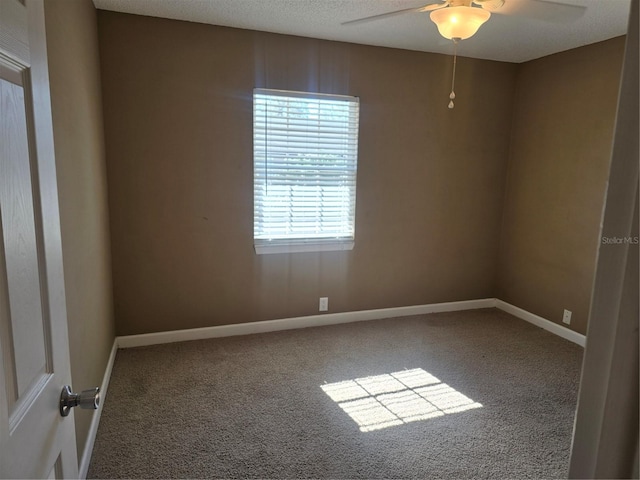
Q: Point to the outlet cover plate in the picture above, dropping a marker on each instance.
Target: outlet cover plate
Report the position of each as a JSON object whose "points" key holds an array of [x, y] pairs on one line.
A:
{"points": [[324, 304]]}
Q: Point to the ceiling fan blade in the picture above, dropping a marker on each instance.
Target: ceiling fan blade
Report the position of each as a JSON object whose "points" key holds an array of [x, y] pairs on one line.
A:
{"points": [[491, 5], [428, 8], [424, 8], [546, 10]]}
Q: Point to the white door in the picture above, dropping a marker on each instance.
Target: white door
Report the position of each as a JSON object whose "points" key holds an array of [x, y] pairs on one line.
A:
{"points": [[35, 440]]}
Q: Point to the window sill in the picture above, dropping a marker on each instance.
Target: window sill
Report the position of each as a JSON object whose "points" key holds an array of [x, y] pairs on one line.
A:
{"points": [[301, 247]]}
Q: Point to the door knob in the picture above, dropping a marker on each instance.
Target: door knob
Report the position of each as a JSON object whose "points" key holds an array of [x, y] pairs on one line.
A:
{"points": [[88, 399]]}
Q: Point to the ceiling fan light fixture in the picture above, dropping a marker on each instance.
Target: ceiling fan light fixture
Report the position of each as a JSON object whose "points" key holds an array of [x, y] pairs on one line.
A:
{"points": [[459, 22]]}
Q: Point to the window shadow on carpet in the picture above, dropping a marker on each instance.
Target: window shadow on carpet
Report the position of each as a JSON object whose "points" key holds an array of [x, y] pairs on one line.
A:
{"points": [[391, 399]]}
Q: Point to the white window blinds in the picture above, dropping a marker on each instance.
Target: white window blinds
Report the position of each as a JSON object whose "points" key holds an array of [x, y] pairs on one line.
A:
{"points": [[305, 150]]}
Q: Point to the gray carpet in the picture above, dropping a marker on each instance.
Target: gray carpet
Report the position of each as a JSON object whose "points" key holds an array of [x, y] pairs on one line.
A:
{"points": [[395, 398]]}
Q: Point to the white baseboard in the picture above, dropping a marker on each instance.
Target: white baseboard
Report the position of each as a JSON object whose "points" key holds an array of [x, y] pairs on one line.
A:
{"points": [[559, 330], [146, 339], [129, 341], [95, 421]]}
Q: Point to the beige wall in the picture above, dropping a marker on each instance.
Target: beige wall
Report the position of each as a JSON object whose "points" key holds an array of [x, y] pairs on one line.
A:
{"points": [[79, 147], [560, 154], [431, 206], [178, 126]]}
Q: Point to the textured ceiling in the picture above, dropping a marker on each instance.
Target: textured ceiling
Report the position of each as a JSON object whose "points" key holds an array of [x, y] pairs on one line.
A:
{"points": [[515, 34]]}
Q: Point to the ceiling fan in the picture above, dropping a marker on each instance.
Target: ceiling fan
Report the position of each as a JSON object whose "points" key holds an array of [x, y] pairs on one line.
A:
{"points": [[460, 19]]}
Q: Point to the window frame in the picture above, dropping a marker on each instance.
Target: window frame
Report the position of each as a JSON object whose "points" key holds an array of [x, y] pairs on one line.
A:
{"points": [[310, 243]]}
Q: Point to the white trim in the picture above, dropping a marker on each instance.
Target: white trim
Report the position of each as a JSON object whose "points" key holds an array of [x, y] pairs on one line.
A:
{"points": [[145, 339], [559, 330], [95, 421], [308, 246], [297, 322], [297, 94]]}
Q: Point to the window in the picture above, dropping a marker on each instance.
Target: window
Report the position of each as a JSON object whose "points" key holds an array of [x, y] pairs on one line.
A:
{"points": [[305, 151]]}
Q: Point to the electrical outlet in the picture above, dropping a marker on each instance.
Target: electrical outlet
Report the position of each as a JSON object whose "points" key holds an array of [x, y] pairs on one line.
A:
{"points": [[566, 317], [324, 304]]}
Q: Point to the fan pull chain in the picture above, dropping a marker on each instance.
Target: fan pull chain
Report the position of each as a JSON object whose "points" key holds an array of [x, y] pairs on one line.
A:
{"points": [[452, 95]]}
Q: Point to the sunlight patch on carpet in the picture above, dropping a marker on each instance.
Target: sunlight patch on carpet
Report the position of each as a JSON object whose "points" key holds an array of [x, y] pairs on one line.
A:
{"points": [[391, 399]]}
